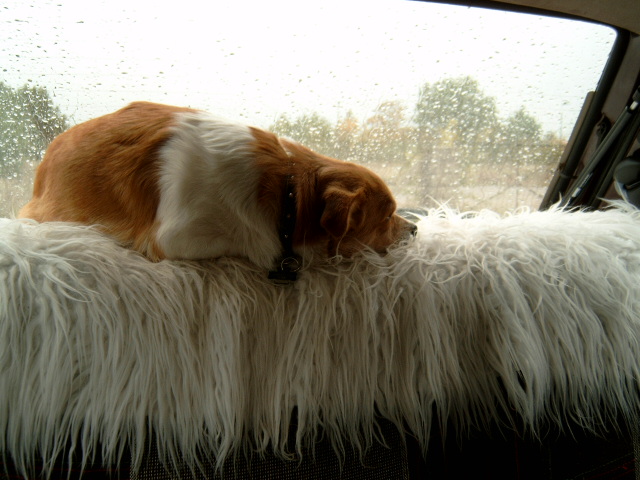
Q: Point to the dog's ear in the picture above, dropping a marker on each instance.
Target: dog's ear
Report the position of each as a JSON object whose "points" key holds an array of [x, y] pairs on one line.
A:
{"points": [[342, 211]]}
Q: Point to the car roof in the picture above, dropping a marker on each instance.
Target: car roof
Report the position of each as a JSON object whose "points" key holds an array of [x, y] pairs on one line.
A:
{"points": [[624, 14]]}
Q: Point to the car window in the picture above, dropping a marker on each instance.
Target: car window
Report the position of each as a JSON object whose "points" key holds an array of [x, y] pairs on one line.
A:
{"points": [[464, 106]]}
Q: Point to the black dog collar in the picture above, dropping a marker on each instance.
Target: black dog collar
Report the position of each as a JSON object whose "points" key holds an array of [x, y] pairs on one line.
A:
{"points": [[289, 263]]}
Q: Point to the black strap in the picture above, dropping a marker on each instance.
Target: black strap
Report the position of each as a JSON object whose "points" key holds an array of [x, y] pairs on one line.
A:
{"points": [[289, 264]]}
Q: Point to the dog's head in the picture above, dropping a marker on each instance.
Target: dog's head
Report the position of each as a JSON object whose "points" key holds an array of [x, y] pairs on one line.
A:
{"points": [[344, 206], [358, 211]]}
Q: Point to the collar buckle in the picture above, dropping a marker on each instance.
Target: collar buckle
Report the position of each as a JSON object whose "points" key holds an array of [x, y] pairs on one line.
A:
{"points": [[287, 271]]}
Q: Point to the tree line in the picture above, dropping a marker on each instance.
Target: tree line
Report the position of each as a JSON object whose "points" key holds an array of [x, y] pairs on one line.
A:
{"points": [[452, 138], [28, 122]]}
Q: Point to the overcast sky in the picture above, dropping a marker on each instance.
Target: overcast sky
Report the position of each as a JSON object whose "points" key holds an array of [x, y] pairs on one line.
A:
{"points": [[253, 61]]}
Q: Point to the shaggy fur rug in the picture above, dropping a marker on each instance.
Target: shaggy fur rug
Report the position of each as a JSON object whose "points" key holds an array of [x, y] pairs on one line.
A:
{"points": [[535, 315]]}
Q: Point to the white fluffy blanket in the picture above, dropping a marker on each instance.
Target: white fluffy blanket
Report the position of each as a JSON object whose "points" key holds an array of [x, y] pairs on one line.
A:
{"points": [[533, 314]]}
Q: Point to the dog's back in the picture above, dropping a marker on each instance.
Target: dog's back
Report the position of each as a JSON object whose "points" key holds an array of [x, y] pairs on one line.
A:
{"points": [[102, 172]]}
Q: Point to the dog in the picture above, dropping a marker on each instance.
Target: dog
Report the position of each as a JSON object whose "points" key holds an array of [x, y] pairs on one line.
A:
{"points": [[178, 183]]}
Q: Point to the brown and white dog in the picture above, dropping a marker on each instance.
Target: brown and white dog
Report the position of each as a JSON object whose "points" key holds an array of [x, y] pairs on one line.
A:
{"points": [[179, 183]]}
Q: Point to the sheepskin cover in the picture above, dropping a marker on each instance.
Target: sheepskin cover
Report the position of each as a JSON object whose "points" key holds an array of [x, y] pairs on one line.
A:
{"points": [[533, 314]]}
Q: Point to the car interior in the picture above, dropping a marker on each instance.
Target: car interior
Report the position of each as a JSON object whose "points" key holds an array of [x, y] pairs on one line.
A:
{"points": [[486, 144]]}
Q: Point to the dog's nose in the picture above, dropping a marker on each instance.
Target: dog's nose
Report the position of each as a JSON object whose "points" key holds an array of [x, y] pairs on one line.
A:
{"points": [[413, 229]]}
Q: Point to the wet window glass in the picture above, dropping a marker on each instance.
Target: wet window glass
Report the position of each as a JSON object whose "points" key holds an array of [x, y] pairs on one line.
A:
{"points": [[462, 106]]}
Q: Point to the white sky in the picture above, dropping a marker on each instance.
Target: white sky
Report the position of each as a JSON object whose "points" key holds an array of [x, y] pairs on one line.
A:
{"points": [[252, 61]]}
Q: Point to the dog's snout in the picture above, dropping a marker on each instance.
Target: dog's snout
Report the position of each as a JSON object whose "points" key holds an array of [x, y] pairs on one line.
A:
{"points": [[408, 229]]}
